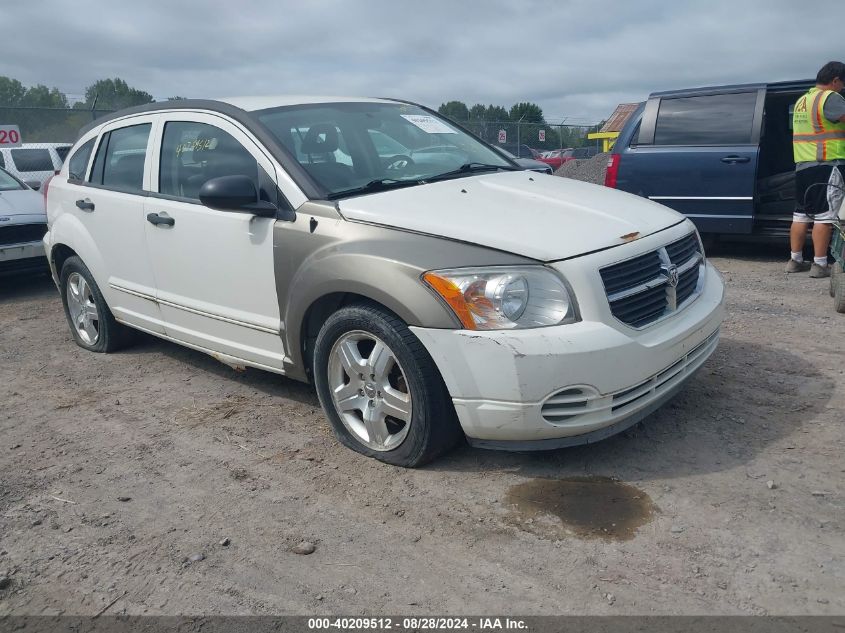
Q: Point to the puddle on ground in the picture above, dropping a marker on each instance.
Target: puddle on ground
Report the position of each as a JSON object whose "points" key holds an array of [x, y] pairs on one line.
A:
{"points": [[589, 507]]}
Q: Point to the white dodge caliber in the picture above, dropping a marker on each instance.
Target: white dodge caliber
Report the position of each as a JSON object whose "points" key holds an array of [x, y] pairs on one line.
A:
{"points": [[429, 288]]}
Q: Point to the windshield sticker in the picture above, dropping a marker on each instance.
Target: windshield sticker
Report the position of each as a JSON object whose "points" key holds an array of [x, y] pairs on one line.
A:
{"points": [[428, 124]]}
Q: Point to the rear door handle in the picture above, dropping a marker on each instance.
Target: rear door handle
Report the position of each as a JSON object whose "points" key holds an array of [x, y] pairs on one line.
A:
{"points": [[736, 159], [85, 205], [155, 218]]}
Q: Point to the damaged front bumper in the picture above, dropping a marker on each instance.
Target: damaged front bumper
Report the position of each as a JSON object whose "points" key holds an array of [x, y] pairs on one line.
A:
{"points": [[572, 384]]}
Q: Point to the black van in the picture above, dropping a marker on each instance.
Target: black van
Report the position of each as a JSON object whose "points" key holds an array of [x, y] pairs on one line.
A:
{"points": [[720, 155]]}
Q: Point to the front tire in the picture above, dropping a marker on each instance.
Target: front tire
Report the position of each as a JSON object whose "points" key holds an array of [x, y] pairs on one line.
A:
{"points": [[91, 322], [380, 388]]}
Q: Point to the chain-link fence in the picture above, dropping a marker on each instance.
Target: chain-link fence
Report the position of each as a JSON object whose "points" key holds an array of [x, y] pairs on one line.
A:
{"points": [[518, 137], [37, 140]]}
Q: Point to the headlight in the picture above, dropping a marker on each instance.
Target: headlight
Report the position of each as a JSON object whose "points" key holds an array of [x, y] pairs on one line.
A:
{"points": [[504, 298]]}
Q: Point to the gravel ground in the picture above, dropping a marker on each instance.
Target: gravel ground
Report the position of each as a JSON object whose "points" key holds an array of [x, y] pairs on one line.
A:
{"points": [[588, 170], [158, 481]]}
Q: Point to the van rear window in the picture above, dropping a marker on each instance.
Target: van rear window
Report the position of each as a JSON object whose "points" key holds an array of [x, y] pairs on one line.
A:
{"points": [[724, 119], [32, 160]]}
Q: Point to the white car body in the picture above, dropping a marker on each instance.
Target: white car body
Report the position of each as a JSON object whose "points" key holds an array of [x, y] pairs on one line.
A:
{"points": [[211, 284], [23, 223], [35, 178]]}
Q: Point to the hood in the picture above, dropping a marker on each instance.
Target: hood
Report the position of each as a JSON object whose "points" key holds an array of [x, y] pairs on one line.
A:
{"points": [[21, 206], [538, 216]]}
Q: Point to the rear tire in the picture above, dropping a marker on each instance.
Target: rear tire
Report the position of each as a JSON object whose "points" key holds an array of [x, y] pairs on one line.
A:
{"points": [[91, 322], [380, 388], [838, 284], [835, 271]]}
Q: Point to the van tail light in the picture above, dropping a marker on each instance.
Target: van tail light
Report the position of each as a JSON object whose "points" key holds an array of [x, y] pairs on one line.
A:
{"points": [[612, 173], [44, 189]]}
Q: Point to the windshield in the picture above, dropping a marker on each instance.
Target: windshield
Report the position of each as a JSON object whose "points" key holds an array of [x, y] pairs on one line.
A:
{"points": [[8, 182], [348, 147]]}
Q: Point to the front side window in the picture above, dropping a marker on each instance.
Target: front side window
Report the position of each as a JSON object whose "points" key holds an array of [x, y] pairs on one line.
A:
{"points": [[26, 159], [345, 147], [193, 153], [725, 119], [119, 163], [79, 161]]}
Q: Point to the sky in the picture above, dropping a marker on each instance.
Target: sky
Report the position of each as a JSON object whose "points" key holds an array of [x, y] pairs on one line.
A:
{"points": [[575, 58]]}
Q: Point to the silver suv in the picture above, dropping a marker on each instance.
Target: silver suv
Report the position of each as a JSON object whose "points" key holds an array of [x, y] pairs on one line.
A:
{"points": [[432, 294]]}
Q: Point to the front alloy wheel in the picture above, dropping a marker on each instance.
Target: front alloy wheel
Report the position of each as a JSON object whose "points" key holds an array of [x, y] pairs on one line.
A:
{"points": [[380, 387], [369, 390]]}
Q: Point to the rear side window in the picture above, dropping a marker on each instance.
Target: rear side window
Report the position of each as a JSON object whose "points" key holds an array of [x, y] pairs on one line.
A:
{"points": [[119, 163], [79, 161], [26, 159], [2, 161], [192, 153], [725, 119]]}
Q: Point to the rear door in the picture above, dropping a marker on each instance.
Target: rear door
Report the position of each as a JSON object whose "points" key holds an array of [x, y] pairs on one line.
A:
{"points": [[697, 153]]}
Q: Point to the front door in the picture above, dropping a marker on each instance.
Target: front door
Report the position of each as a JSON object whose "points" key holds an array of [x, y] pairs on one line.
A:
{"points": [[214, 269], [698, 155]]}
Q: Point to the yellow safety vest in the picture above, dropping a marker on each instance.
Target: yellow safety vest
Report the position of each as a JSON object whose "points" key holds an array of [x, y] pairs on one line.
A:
{"points": [[814, 138]]}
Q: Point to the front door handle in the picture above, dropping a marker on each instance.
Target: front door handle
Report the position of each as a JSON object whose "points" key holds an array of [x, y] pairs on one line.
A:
{"points": [[85, 205], [155, 218], [731, 160]]}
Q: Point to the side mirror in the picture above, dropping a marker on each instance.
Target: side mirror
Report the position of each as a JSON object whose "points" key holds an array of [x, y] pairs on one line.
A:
{"points": [[33, 184], [235, 193]]}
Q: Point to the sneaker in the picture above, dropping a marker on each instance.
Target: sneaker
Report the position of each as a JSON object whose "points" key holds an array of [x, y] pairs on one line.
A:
{"points": [[819, 272], [797, 267]]}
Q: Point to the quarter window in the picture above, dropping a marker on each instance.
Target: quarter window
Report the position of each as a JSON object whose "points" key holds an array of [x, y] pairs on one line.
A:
{"points": [[78, 163], [193, 153], [724, 119], [119, 163]]}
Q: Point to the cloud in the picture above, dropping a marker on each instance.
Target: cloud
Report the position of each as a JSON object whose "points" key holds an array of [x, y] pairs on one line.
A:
{"points": [[576, 58]]}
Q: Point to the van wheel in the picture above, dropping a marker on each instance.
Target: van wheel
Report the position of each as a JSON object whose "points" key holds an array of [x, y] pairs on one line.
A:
{"points": [[835, 273], [90, 320], [380, 388], [838, 283]]}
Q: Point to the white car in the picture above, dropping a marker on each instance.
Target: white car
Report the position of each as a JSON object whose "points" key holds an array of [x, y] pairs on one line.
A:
{"points": [[34, 163], [23, 224], [427, 302]]}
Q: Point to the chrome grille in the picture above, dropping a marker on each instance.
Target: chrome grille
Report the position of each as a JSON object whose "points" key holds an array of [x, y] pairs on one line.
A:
{"points": [[649, 287]]}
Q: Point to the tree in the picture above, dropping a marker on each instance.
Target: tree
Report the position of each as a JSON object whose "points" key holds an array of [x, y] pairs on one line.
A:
{"points": [[528, 112], [41, 96], [114, 94], [455, 110], [11, 91]]}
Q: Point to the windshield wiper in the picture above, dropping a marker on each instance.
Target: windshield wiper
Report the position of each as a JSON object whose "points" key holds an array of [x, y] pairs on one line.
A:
{"points": [[374, 185], [469, 168]]}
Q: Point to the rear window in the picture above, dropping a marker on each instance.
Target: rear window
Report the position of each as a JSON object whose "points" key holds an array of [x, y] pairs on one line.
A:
{"points": [[724, 119], [32, 159]]}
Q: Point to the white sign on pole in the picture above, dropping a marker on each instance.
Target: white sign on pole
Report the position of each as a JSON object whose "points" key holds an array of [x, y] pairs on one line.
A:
{"points": [[503, 136], [542, 136], [10, 136]]}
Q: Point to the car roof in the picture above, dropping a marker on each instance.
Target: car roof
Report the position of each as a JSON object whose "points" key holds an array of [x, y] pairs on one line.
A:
{"points": [[250, 104], [776, 86]]}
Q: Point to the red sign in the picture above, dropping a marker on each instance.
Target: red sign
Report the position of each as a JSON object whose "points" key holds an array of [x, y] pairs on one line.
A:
{"points": [[542, 136], [503, 136]]}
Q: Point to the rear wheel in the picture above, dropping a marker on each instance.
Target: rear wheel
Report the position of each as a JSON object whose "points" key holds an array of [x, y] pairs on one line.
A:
{"points": [[838, 284], [91, 322], [380, 388], [835, 271]]}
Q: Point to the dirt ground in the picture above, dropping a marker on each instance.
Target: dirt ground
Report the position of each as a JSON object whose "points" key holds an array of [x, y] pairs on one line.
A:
{"points": [[728, 500]]}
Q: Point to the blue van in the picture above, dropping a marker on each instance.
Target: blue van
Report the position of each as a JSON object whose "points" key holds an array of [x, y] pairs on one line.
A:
{"points": [[722, 156]]}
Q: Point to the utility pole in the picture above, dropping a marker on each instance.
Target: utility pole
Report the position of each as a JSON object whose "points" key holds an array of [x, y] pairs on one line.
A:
{"points": [[518, 137]]}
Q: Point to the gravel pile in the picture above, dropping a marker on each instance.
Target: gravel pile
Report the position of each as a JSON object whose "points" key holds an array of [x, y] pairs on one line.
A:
{"points": [[588, 170]]}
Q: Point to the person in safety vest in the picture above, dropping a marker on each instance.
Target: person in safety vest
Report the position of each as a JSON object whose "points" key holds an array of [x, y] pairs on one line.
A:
{"points": [[818, 144]]}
